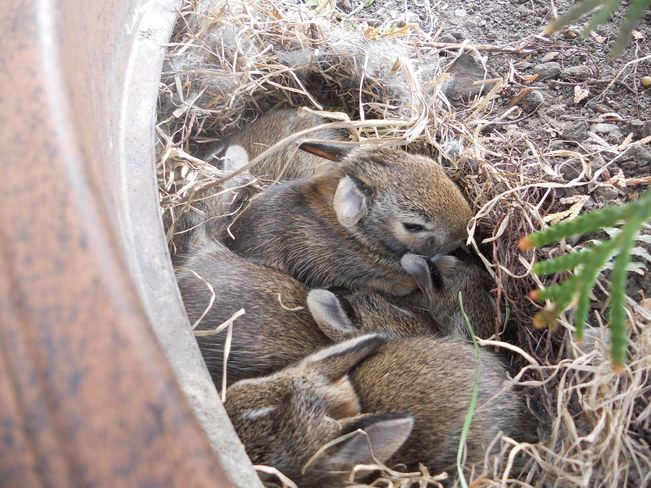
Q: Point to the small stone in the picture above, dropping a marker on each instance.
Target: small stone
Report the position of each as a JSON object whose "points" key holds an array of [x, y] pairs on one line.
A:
{"points": [[457, 35], [638, 158], [459, 12], [636, 126], [580, 72], [571, 169], [470, 24], [575, 131], [344, 5], [532, 101], [465, 72], [636, 123], [615, 137], [550, 56], [601, 108], [412, 18], [556, 110], [547, 70], [606, 192], [646, 129], [448, 39], [604, 128]]}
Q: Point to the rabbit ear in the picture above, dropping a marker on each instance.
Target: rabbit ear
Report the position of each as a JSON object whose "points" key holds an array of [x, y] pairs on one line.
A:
{"points": [[366, 439], [330, 314], [418, 268], [349, 202], [332, 151], [235, 157], [335, 361]]}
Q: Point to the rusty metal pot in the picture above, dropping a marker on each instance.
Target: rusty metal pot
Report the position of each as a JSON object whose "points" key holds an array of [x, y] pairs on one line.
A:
{"points": [[101, 381]]}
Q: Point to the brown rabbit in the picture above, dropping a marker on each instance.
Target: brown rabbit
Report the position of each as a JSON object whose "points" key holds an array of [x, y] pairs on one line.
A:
{"points": [[276, 328], [305, 420], [351, 225], [440, 279], [363, 312], [431, 379], [282, 323], [290, 162]]}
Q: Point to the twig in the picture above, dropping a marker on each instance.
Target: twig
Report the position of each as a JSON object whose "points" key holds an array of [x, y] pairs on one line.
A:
{"points": [[489, 48]]}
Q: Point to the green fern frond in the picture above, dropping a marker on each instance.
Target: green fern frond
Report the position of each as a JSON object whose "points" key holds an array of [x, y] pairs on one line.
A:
{"points": [[589, 263]]}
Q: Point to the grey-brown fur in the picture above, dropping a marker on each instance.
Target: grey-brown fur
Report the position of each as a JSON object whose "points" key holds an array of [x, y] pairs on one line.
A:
{"points": [[290, 162], [441, 279], [345, 227], [427, 378], [285, 418], [344, 313], [433, 380], [278, 327]]}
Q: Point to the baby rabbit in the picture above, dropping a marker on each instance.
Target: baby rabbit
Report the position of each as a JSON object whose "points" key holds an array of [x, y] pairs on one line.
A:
{"points": [[440, 279], [305, 420], [276, 328], [288, 419], [350, 225], [363, 312], [282, 322], [290, 162]]}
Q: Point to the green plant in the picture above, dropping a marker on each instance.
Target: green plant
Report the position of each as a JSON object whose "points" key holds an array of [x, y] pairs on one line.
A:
{"points": [[473, 397], [587, 265], [602, 10]]}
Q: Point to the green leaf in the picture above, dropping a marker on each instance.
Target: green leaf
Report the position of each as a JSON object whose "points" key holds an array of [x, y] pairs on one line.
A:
{"points": [[576, 12], [601, 17], [588, 222], [618, 280], [582, 310], [592, 261], [565, 262], [561, 294]]}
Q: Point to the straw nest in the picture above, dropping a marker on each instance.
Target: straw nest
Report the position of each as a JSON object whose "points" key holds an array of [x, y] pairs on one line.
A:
{"points": [[387, 83]]}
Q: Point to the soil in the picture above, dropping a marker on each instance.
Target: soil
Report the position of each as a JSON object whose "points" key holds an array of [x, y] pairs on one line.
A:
{"points": [[568, 61]]}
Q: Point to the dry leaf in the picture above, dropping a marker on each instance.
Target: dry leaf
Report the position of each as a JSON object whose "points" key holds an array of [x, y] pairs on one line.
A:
{"points": [[607, 117], [395, 66], [529, 78], [370, 33], [519, 97], [570, 33], [578, 202], [580, 93], [550, 56], [597, 37]]}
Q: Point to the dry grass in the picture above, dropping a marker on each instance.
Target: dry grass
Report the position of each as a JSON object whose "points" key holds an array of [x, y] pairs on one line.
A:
{"points": [[229, 61]]}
